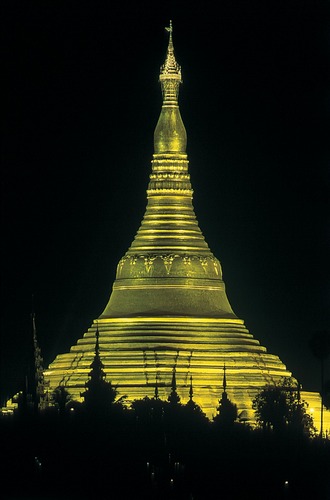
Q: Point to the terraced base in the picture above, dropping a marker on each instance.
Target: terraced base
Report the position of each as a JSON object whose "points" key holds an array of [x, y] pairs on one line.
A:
{"points": [[137, 352]]}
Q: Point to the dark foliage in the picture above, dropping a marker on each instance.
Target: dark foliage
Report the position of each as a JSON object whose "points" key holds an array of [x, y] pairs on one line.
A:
{"points": [[278, 408], [155, 450], [61, 397]]}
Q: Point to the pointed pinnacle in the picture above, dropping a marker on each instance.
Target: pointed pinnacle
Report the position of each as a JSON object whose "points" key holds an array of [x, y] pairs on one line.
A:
{"points": [[224, 378]]}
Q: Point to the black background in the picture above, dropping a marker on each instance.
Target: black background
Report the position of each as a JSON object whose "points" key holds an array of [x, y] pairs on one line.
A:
{"points": [[81, 100]]}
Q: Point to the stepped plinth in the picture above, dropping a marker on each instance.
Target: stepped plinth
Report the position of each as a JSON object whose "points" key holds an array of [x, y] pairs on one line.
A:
{"points": [[168, 308]]}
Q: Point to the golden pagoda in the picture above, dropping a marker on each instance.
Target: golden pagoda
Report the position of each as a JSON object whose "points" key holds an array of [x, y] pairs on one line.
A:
{"points": [[168, 311]]}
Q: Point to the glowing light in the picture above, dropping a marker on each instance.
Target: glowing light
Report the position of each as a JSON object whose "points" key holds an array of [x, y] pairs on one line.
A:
{"points": [[168, 304]]}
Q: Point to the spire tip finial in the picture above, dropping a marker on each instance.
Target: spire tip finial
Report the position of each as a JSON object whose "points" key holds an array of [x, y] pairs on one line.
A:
{"points": [[170, 72], [169, 28]]}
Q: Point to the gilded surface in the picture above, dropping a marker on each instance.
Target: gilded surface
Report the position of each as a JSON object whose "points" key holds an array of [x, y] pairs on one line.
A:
{"points": [[168, 308]]}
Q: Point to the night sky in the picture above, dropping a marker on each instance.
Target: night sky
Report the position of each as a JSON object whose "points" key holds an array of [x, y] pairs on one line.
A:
{"points": [[81, 101]]}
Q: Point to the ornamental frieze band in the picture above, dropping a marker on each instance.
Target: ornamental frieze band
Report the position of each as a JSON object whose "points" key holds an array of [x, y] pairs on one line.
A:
{"points": [[147, 265]]}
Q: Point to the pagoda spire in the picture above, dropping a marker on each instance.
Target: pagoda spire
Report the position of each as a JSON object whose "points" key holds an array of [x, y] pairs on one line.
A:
{"points": [[170, 134], [227, 410], [169, 267], [174, 398], [190, 403], [40, 393], [156, 395], [99, 394], [191, 392], [97, 373], [224, 381]]}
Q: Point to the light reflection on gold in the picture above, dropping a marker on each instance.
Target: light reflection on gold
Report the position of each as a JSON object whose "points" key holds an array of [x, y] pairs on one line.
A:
{"points": [[168, 307]]}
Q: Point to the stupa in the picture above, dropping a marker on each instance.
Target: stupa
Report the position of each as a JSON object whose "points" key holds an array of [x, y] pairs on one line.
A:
{"points": [[168, 311]]}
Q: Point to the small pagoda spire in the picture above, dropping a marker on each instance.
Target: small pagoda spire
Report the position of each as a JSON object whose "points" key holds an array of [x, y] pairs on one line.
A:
{"points": [[97, 345], [174, 397], [224, 382], [99, 393], [191, 403], [97, 373], [156, 396], [40, 394], [191, 392], [227, 411], [173, 384]]}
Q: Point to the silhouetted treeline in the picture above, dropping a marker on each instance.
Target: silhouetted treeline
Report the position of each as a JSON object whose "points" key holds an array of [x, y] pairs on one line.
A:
{"points": [[155, 452]]}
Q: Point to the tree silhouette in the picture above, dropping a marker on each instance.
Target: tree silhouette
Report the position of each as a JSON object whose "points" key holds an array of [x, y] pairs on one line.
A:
{"points": [[270, 407], [148, 410], [61, 397], [278, 407]]}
